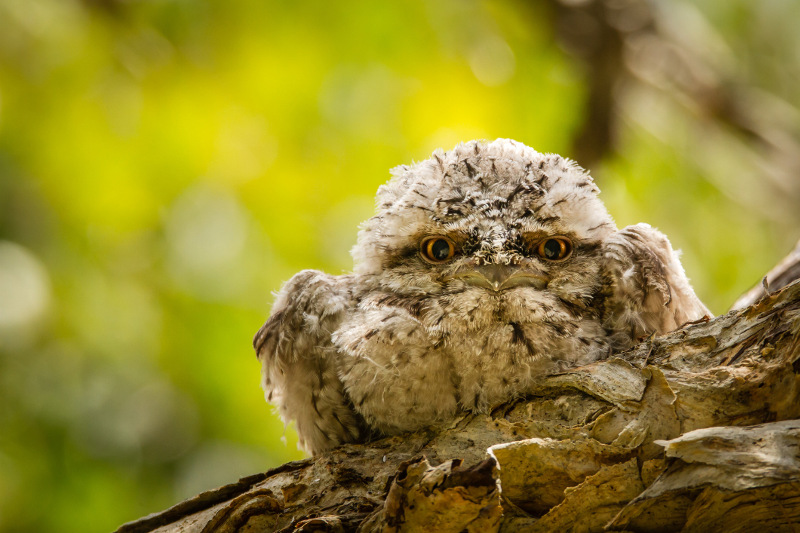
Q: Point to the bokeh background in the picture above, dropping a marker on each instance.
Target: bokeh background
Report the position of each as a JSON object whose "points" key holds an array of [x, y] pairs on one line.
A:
{"points": [[166, 164]]}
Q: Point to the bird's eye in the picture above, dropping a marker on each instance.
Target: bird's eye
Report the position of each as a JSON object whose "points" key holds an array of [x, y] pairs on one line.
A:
{"points": [[554, 248], [437, 249]]}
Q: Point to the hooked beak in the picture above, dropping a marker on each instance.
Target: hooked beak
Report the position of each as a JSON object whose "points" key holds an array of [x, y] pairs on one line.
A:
{"points": [[501, 277]]}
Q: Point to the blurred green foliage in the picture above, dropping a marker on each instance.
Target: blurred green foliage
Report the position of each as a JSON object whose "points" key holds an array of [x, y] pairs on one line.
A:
{"points": [[165, 164]]}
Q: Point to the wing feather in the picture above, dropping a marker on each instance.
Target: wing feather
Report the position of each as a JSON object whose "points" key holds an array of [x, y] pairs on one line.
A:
{"points": [[647, 290], [299, 364]]}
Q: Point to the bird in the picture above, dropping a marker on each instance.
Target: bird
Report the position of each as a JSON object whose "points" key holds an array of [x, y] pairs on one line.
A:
{"points": [[484, 270]]}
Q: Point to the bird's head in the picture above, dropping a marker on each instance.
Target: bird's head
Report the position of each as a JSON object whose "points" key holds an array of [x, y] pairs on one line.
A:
{"points": [[491, 217]]}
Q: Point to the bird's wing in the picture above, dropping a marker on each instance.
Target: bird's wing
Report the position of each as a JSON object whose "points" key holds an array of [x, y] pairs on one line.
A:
{"points": [[299, 363], [646, 289]]}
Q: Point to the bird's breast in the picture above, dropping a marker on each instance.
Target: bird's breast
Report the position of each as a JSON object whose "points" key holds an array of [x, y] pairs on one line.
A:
{"points": [[406, 367]]}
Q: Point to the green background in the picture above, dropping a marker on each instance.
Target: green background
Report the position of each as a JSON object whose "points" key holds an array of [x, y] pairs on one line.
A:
{"points": [[166, 165]]}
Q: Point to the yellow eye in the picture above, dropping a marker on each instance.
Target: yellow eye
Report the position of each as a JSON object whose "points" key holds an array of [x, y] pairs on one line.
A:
{"points": [[554, 248], [437, 249]]}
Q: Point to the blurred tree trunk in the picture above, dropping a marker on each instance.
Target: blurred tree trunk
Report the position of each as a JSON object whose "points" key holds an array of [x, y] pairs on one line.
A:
{"points": [[665, 49], [696, 430]]}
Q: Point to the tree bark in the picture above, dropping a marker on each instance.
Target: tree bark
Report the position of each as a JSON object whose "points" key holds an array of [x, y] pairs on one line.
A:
{"points": [[696, 430]]}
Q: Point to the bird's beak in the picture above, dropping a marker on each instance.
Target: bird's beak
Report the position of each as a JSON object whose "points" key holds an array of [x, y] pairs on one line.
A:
{"points": [[501, 277]]}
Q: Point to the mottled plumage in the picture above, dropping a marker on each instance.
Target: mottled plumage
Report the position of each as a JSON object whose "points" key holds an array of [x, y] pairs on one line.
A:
{"points": [[484, 269]]}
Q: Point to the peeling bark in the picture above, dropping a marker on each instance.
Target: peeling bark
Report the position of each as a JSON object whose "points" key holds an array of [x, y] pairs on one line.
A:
{"points": [[696, 430]]}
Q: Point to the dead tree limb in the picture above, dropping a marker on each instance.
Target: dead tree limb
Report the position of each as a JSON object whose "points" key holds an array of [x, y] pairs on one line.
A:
{"points": [[783, 274], [696, 430]]}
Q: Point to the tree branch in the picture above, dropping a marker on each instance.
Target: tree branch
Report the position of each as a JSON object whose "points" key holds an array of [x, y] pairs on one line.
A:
{"points": [[690, 431]]}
